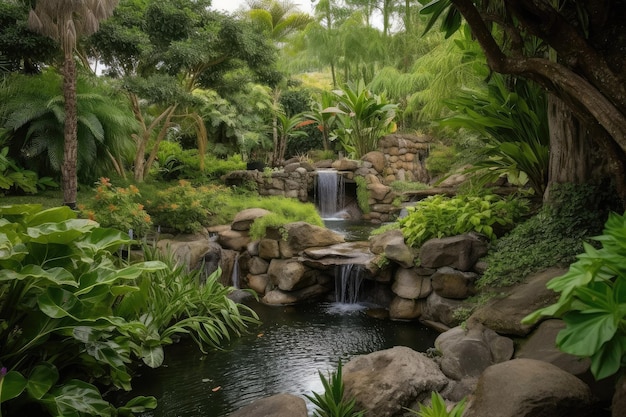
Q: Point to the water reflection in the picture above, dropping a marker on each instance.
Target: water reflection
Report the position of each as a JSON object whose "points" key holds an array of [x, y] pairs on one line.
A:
{"points": [[281, 356]]}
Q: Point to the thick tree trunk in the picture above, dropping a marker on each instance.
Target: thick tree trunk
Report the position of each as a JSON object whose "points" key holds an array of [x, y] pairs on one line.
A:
{"points": [[576, 152], [69, 178]]}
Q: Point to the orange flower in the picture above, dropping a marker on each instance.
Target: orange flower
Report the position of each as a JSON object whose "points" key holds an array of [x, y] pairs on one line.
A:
{"points": [[112, 208], [105, 181], [174, 206], [122, 191], [147, 218], [134, 189], [91, 215], [183, 183], [81, 207], [139, 206]]}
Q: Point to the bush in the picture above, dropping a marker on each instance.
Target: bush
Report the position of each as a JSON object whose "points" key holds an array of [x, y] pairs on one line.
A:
{"points": [[118, 208], [284, 210], [362, 194], [441, 159], [439, 216], [552, 237], [183, 208]]}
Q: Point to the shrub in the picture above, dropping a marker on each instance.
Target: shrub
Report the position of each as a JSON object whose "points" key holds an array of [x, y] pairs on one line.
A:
{"points": [[551, 237], [441, 159], [118, 208], [439, 216], [183, 207], [404, 186]]}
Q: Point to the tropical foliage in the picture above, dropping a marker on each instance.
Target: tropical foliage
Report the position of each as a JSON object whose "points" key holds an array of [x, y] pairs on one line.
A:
{"points": [[592, 300], [439, 216], [72, 312], [32, 111], [362, 118], [512, 121]]}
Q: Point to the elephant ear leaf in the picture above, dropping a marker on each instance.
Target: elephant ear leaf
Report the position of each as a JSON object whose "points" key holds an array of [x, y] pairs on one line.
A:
{"points": [[12, 384], [42, 379]]}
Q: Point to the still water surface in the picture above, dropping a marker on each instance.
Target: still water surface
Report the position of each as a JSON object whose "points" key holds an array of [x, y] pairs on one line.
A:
{"points": [[283, 355]]}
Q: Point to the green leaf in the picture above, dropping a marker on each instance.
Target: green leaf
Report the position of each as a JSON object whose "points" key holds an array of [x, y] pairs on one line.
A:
{"points": [[607, 361], [585, 333], [57, 303], [11, 385], [137, 405], [76, 397], [152, 355], [42, 379], [64, 233], [56, 276]]}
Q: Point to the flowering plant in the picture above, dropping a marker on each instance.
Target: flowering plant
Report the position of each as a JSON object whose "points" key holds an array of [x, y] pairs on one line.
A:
{"points": [[118, 208], [182, 207]]}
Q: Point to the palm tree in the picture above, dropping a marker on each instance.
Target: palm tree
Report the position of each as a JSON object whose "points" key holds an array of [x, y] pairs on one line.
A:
{"points": [[65, 21], [279, 19]]}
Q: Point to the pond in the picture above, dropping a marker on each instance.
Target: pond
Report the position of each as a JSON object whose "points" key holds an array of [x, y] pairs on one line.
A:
{"points": [[283, 355]]}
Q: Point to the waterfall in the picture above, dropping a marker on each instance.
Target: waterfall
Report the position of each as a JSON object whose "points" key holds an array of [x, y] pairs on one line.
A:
{"points": [[329, 193], [348, 279], [235, 275]]}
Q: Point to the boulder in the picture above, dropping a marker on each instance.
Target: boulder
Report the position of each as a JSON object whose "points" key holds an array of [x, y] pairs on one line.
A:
{"points": [[467, 353], [409, 284], [246, 217], [289, 274], [392, 244], [377, 159], [529, 388], [384, 382], [257, 265], [405, 309], [378, 191], [280, 405], [234, 239], [302, 235], [459, 252], [269, 249], [504, 315], [345, 164], [188, 250], [450, 283], [439, 309], [259, 283]]}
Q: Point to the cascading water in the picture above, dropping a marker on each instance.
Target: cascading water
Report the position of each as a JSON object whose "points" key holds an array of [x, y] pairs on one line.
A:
{"points": [[235, 276], [329, 193], [348, 279]]}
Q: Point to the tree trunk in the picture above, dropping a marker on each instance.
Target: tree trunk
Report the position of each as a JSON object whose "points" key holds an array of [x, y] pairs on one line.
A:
{"points": [[69, 178], [575, 152]]}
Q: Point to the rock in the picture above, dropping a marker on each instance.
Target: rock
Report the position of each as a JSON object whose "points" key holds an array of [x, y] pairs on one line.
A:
{"points": [[466, 354], [441, 310], [529, 388], [405, 309], [504, 315], [459, 252], [377, 159], [279, 297], [234, 240], [384, 382], [408, 284], [280, 405], [392, 244], [453, 181], [302, 235], [257, 265], [245, 218], [259, 283], [269, 249], [378, 191], [450, 283], [188, 250], [345, 164], [289, 274]]}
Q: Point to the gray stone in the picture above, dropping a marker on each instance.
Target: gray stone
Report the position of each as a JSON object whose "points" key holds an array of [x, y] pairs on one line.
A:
{"points": [[450, 283], [246, 217], [259, 283], [269, 249], [439, 309], [504, 315], [377, 159], [257, 265], [345, 164], [302, 235], [459, 252], [289, 274], [187, 250], [409, 284], [392, 244], [405, 309], [280, 405], [384, 382], [529, 388], [234, 240]]}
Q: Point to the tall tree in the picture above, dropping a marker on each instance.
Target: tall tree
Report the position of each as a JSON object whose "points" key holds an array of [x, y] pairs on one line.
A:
{"points": [[66, 21], [279, 19], [574, 49]]}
